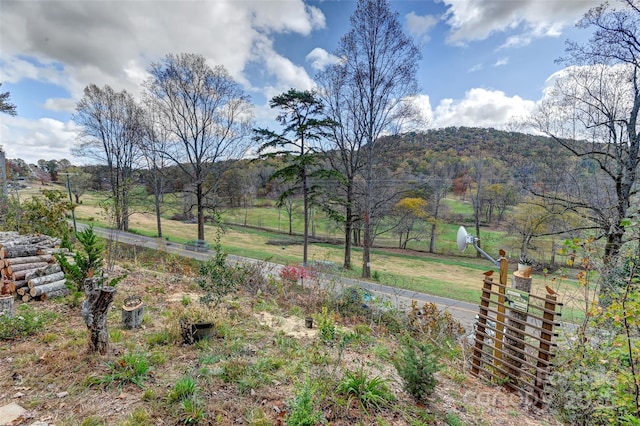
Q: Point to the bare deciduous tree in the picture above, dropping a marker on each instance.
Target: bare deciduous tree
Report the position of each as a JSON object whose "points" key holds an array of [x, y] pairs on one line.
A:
{"points": [[369, 93], [596, 101], [207, 116], [153, 150], [112, 126], [592, 112]]}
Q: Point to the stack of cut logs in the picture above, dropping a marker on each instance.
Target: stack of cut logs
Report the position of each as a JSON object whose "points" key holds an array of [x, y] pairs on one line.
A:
{"points": [[28, 267]]}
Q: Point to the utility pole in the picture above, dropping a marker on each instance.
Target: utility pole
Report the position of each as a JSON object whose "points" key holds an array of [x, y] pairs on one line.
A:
{"points": [[3, 176], [73, 210]]}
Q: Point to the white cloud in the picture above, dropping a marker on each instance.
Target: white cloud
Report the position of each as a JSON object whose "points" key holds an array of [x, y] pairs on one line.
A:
{"points": [[320, 58], [285, 16], [75, 43], [478, 19], [476, 67], [71, 44], [420, 26], [423, 104], [286, 73], [33, 140], [501, 62], [60, 104], [481, 108]]}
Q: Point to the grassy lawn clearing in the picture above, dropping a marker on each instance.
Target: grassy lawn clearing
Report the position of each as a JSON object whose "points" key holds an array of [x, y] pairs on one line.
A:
{"points": [[455, 275]]}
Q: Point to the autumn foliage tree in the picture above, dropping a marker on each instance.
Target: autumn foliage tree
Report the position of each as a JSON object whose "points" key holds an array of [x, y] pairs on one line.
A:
{"points": [[412, 219]]}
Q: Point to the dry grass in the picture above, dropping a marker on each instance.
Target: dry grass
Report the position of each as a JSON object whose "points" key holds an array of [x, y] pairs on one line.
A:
{"points": [[248, 374]]}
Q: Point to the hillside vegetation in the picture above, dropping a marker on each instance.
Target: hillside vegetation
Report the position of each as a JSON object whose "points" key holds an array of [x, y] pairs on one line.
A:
{"points": [[262, 367]]}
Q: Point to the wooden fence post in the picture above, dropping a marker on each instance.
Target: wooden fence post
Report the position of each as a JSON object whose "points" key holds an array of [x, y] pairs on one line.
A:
{"points": [[542, 368], [515, 330], [504, 269], [482, 322]]}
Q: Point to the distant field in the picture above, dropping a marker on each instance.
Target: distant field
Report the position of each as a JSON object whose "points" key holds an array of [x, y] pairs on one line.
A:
{"points": [[448, 274]]}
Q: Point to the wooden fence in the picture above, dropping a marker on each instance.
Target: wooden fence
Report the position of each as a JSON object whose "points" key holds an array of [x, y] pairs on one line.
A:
{"points": [[513, 338]]}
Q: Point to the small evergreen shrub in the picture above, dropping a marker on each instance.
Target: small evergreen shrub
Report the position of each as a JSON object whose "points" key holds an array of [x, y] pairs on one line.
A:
{"points": [[416, 364], [87, 263], [327, 327]]}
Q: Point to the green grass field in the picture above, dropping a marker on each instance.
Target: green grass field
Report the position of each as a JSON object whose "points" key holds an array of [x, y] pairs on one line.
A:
{"points": [[446, 273]]}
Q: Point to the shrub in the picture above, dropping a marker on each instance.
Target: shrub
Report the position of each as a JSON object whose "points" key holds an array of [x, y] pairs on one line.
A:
{"points": [[255, 280], [351, 302], [416, 365], [38, 215], [595, 379], [25, 322], [293, 273], [302, 409], [438, 325], [327, 327], [218, 279], [87, 262]]}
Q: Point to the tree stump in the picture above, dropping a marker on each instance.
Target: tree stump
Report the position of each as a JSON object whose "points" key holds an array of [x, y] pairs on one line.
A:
{"points": [[94, 312], [132, 312], [6, 305]]}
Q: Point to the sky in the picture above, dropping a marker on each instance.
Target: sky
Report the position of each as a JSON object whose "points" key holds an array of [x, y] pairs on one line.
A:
{"points": [[484, 62]]}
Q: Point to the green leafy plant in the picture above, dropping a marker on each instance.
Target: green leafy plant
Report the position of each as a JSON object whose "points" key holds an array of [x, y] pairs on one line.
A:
{"points": [[25, 322], [327, 327], [371, 393], [302, 408], [596, 378], [525, 260], [193, 411], [416, 364], [217, 278], [44, 214], [132, 367], [184, 388]]}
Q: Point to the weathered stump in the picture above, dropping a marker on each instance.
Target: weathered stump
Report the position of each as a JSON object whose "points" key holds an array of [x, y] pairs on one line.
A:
{"points": [[6, 305], [94, 312], [132, 312]]}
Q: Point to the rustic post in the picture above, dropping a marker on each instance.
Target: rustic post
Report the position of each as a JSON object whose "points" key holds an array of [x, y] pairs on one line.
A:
{"points": [[4, 194], [504, 270], [94, 312], [542, 368], [482, 322], [515, 330]]}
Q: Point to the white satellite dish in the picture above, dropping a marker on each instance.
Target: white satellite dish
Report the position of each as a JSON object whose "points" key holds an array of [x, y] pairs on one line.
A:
{"points": [[463, 239]]}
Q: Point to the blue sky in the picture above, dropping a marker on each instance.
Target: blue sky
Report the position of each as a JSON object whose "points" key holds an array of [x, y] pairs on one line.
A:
{"points": [[484, 61]]}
